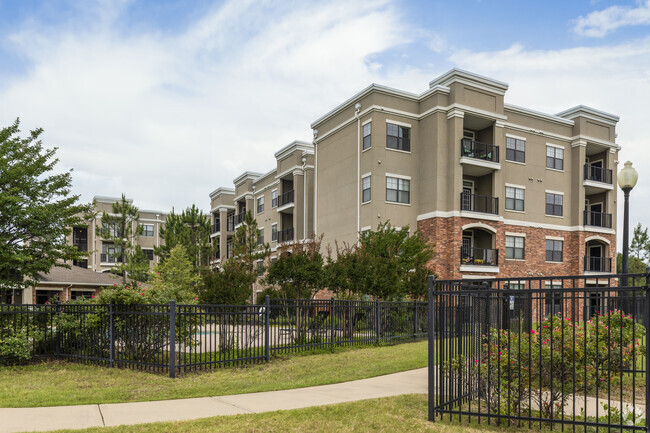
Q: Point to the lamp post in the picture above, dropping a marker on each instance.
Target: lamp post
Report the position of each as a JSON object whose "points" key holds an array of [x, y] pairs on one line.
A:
{"points": [[626, 180]]}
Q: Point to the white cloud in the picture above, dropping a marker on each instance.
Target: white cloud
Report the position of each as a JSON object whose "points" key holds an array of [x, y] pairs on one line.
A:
{"points": [[599, 23], [168, 118], [614, 79]]}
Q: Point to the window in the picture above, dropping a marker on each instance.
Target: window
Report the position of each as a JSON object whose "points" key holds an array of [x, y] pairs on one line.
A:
{"points": [[260, 204], [398, 190], [274, 233], [229, 248], [147, 229], [366, 135], [398, 137], [554, 204], [260, 239], [148, 253], [554, 157], [111, 230], [274, 198], [553, 250], [110, 253], [515, 198], [515, 247], [365, 186], [515, 149], [260, 268]]}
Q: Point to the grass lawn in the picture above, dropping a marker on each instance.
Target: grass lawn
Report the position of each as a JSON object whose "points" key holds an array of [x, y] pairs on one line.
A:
{"points": [[406, 413], [59, 384]]}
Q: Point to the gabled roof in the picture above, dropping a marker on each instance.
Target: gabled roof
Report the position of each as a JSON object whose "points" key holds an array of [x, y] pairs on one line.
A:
{"points": [[77, 276]]}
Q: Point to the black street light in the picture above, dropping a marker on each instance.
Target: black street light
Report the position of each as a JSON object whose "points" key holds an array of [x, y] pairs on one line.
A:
{"points": [[626, 180]]}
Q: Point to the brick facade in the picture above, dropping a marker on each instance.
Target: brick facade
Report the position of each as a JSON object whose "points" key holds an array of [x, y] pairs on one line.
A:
{"points": [[446, 234]]}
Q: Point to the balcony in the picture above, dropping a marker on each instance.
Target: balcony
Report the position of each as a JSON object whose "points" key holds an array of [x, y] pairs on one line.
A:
{"points": [[285, 235], [597, 219], [479, 203], [596, 179], [239, 218], [230, 223], [478, 158], [216, 227], [479, 256], [108, 258], [598, 264], [285, 200]]}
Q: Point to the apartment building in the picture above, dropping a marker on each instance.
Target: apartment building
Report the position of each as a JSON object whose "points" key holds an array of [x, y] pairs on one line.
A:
{"points": [[281, 201], [101, 258], [500, 190]]}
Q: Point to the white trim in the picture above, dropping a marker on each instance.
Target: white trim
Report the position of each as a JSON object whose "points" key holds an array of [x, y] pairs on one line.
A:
{"points": [[285, 172], [519, 235], [478, 268], [366, 174], [478, 277], [515, 162], [246, 176], [554, 238], [398, 123], [398, 203], [457, 75], [550, 191], [227, 207], [588, 112], [513, 185], [480, 163], [248, 195], [363, 229], [480, 216], [479, 226], [558, 146], [597, 238], [292, 147], [397, 150], [365, 122], [516, 137], [528, 112], [398, 176]]}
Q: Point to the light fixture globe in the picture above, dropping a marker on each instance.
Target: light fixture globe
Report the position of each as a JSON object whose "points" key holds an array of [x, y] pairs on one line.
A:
{"points": [[627, 177]]}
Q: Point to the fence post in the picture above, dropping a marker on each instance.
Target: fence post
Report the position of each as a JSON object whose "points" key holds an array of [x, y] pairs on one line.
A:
{"points": [[431, 348], [332, 327], [267, 324], [646, 319], [377, 312], [172, 339], [415, 320], [111, 334], [57, 337]]}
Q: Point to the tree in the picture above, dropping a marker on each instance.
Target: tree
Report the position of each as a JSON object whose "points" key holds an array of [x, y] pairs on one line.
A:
{"points": [[640, 245], [299, 270], [249, 251], [37, 210], [175, 278], [635, 266], [191, 228], [229, 285], [387, 264], [119, 227]]}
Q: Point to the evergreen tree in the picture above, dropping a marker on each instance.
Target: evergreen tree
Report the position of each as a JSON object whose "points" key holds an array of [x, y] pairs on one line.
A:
{"points": [[37, 210], [248, 251], [640, 245], [120, 228], [191, 228], [175, 278]]}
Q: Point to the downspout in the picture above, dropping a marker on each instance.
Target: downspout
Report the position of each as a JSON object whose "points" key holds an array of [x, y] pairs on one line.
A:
{"points": [[304, 198], [315, 132], [357, 107]]}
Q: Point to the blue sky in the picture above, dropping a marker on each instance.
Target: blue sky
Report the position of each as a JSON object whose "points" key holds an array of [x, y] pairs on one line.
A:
{"points": [[204, 90]]}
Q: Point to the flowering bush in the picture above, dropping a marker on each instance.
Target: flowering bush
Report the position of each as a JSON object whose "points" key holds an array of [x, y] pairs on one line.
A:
{"points": [[549, 363]]}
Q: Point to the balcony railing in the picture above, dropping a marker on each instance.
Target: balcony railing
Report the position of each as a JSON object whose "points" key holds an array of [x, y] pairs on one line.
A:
{"points": [[598, 264], [230, 223], [216, 227], [477, 150], [479, 203], [597, 174], [285, 198], [598, 219], [479, 256], [107, 258], [239, 218], [285, 235]]}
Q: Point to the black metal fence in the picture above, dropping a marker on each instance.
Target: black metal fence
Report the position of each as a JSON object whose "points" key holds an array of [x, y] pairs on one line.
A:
{"points": [[561, 352], [179, 338]]}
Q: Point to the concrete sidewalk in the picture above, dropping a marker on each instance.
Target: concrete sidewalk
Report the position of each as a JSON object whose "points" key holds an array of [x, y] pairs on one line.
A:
{"points": [[98, 415]]}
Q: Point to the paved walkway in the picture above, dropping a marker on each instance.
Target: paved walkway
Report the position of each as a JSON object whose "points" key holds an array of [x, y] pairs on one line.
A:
{"points": [[98, 415]]}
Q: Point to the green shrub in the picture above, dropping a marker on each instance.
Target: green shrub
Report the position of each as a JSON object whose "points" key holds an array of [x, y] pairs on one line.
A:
{"points": [[14, 349]]}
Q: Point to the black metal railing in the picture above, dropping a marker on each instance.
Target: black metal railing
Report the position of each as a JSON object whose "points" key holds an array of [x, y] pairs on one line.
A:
{"points": [[597, 174], [479, 203], [230, 223], [597, 219], [540, 352], [216, 227], [285, 235], [173, 338], [479, 256], [285, 198], [239, 218], [598, 264], [108, 258], [477, 150]]}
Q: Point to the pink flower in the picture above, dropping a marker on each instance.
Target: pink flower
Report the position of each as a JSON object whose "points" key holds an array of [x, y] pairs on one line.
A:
{"points": [[115, 285], [142, 294], [532, 331], [196, 299], [92, 296]]}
